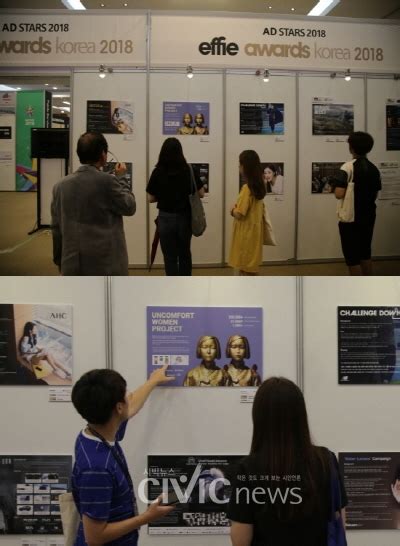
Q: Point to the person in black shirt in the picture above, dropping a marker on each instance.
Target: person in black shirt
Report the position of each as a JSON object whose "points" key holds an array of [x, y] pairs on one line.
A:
{"points": [[281, 494], [356, 237], [169, 186]]}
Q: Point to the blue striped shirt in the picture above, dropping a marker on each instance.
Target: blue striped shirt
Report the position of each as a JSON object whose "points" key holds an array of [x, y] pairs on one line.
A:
{"points": [[100, 488]]}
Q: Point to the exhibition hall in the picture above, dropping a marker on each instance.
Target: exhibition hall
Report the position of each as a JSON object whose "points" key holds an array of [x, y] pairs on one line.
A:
{"points": [[289, 86], [146, 140]]}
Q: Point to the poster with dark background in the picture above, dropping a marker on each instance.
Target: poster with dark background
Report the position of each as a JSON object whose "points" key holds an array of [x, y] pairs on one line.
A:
{"points": [[369, 345], [262, 118], [372, 483], [393, 126], [332, 119]]}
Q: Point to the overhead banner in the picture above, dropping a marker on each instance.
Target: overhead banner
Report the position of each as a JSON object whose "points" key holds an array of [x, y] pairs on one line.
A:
{"points": [[372, 483], [73, 40], [212, 41]]}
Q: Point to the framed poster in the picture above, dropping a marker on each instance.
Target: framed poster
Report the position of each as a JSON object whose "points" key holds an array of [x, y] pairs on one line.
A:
{"points": [[109, 117], [372, 483], [262, 118], [322, 175], [35, 344], [273, 176], [332, 119], [369, 345], [393, 124], [186, 118], [206, 346], [29, 489], [204, 496]]}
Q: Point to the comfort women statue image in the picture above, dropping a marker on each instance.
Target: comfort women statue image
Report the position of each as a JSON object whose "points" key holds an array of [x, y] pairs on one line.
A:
{"points": [[207, 373], [238, 374]]}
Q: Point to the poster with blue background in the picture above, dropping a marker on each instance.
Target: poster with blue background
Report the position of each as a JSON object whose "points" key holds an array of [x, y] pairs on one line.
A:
{"points": [[186, 118], [206, 346]]}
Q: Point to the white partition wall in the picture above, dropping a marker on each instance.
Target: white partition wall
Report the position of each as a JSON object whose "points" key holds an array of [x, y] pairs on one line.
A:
{"points": [[386, 239], [347, 417], [318, 233], [29, 423], [173, 87], [196, 420], [271, 149], [125, 87]]}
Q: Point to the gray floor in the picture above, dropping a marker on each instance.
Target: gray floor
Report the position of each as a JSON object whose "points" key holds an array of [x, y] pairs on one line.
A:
{"points": [[21, 254]]}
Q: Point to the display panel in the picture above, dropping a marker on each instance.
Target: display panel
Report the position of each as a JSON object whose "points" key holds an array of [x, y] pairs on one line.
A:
{"points": [[206, 346], [369, 345], [372, 483], [35, 344], [262, 118], [205, 492], [29, 489]]}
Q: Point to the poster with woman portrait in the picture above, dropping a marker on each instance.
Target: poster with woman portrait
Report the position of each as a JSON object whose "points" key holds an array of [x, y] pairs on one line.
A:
{"points": [[206, 346], [273, 176], [186, 118], [35, 344], [372, 483]]}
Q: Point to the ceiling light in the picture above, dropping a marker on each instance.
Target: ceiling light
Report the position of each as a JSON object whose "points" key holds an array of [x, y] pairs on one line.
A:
{"points": [[293, 9], [189, 72], [266, 76], [55, 88], [73, 4], [323, 7], [102, 5], [102, 71], [6, 88], [46, 84], [62, 112], [125, 5], [333, 75], [66, 102], [348, 75], [19, 88]]}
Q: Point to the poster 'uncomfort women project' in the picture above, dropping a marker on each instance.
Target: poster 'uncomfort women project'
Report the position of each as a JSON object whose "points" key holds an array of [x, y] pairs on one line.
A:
{"points": [[202, 483], [369, 345], [206, 346], [29, 489]]}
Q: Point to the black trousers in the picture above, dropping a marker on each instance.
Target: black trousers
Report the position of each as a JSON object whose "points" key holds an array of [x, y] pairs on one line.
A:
{"points": [[175, 237]]}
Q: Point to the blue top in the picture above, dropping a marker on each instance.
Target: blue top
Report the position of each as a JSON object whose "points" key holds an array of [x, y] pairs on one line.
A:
{"points": [[99, 486]]}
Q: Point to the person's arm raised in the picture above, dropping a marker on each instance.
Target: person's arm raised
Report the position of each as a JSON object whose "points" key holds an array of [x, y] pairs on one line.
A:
{"points": [[137, 398]]}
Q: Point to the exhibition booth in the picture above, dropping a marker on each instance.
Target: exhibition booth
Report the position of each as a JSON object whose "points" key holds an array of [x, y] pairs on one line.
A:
{"points": [[290, 88], [309, 330]]}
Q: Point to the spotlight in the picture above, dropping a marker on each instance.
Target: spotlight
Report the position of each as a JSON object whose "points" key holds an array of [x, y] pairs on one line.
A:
{"points": [[189, 72], [333, 75], [102, 71], [348, 75], [266, 76], [396, 77]]}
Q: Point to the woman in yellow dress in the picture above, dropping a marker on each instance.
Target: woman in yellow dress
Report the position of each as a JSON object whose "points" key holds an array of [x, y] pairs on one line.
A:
{"points": [[247, 237], [207, 373]]}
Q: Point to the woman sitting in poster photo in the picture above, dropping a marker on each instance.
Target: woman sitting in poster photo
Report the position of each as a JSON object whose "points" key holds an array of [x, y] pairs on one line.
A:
{"points": [[30, 349], [240, 375], [207, 373]]}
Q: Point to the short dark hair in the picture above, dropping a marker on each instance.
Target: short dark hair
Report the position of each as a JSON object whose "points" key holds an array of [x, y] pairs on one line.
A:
{"points": [[96, 394], [90, 147], [361, 143]]}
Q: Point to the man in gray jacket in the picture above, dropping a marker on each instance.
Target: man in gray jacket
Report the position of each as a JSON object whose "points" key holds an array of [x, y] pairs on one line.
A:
{"points": [[87, 210]]}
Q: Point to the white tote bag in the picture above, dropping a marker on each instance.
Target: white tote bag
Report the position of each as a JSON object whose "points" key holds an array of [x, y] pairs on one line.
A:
{"points": [[69, 517], [345, 206]]}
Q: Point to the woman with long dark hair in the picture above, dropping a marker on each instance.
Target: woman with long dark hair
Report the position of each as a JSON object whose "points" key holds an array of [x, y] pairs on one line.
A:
{"points": [[169, 186], [247, 237], [31, 350], [281, 495]]}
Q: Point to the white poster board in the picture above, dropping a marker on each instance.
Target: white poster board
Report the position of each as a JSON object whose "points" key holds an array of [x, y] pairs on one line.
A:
{"points": [[127, 87], [196, 420]]}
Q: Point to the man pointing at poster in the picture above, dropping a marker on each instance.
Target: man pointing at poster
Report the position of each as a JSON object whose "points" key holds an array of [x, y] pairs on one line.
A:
{"points": [[87, 210]]}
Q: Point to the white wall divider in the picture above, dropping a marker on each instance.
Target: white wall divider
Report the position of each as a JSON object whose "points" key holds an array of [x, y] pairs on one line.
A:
{"points": [[387, 229], [249, 88], [347, 418], [318, 232], [203, 87], [30, 424], [195, 420], [126, 87]]}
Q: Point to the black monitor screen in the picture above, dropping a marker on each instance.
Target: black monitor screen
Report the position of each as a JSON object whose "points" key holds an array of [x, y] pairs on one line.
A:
{"points": [[50, 143]]}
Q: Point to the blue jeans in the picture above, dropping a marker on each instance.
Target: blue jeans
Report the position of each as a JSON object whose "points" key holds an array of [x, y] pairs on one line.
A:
{"points": [[175, 235]]}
